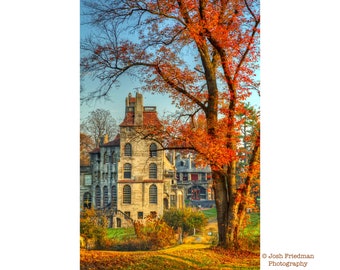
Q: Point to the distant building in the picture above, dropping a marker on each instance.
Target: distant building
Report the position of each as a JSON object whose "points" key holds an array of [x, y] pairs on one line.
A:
{"points": [[196, 181], [130, 177]]}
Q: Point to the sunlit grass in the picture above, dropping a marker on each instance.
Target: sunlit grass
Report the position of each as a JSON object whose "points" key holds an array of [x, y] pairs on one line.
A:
{"points": [[120, 233]]}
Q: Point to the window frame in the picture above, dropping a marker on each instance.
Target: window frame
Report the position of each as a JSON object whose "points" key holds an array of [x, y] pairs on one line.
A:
{"points": [[127, 194], [153, 150], [105, 196], [127, 171], [97, 196], [128, 150], [153, 196], [153, 171]]}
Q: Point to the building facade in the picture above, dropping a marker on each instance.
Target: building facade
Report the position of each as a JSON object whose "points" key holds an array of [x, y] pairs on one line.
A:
{"points": [[196, 181], [131, 176]]}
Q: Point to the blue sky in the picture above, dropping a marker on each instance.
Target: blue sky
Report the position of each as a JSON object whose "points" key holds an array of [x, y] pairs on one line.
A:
{"points": [[116, 102]]}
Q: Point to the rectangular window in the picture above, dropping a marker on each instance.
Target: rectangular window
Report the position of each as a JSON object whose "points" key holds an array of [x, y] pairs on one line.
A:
{"points": [[140, 215], [88, 180], [127, 214], [194, 177], [173, 200], [185, 176]]}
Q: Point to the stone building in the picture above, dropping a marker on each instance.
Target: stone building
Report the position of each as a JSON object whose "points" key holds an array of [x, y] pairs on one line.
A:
{"points": [[196, 181], [130, 177]]}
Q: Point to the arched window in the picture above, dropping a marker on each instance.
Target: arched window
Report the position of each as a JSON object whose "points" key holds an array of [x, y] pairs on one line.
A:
{"points": [[153, 171], [114, 196], [127, 170], [97, 196], [105, 196], [153, 194], [127, 194], [87, 199], [153, 150], [128, 150]]}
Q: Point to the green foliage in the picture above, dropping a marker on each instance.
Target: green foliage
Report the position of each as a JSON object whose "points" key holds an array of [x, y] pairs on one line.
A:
{"points": [[120, 233], [93, 226], [187, 219], [250, 235]]}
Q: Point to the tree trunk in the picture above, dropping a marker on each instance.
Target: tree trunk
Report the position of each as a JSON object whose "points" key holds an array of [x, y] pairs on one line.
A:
{"points": [[233, 205], [245, 191], [221, 201], [238, 199]]}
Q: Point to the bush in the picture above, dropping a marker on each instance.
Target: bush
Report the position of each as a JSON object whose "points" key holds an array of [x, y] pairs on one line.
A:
{"points": [[154, 231], [132, 244], [93, 226], [187, 220], [151, 234]]}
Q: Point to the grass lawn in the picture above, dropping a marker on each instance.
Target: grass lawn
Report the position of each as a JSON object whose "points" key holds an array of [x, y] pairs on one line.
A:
{"points": [[249, 236], [210, 213], [120, 233]]}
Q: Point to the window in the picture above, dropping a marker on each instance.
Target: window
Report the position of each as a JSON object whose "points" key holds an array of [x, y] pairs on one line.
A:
{"points": [[127, 170], [153, 214], [127, 214], [97, 194], [127, 194], [114, 158], [140, 215], [106, 158], [153, 150], [87, 200], [173, 200], [105, 196], [128, 150], [153, 194], [153, 171], [194, 177], [119, 222], [185, 176], [88, 179], [114, 196], [178, 177]]}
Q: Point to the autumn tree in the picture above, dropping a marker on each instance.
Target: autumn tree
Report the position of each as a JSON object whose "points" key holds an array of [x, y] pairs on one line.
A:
{"points": [[99, 123], [93, 226], [86, 145], [204, 55]]}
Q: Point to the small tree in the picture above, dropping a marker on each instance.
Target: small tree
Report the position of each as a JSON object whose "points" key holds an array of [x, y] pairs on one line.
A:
{"points": [[86, 145], [194, 220], [185, 220], [93, 225]]}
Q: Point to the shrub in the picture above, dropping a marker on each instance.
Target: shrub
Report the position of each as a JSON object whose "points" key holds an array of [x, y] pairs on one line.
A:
{"points": [[132, 244], [93, 226], [154, 231]]}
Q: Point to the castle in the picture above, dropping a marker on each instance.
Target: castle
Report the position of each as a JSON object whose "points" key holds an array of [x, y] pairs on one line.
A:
{"points": [[131, 176]]}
